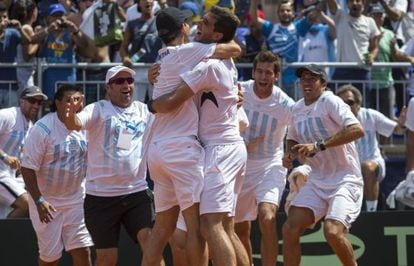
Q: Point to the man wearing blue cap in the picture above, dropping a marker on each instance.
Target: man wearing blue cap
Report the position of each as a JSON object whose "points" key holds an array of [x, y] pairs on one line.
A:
{"points": [[59, 39]]}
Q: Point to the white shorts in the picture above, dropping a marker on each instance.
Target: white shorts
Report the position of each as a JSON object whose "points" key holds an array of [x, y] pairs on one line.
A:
{"points": [[66, 231], [176, 167], [342, 204], [224, 173], [10, 189], [261, 184]]}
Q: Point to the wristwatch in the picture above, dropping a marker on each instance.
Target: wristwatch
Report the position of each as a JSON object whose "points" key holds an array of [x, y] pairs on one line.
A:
{"points": [[320, 145]]}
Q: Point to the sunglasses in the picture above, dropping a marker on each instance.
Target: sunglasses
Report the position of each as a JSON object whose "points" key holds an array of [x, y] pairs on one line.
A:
{"points": [[120, 81], [350, 102], [34, 100]]}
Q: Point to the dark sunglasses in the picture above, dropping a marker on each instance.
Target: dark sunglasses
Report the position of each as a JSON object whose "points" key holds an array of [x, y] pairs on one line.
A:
{"points": [[120, 81], [350, 102], [34, 100]]}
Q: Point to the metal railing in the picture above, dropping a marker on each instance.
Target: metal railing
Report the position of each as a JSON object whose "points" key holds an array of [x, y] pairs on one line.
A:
{"points": [[95, 88]]}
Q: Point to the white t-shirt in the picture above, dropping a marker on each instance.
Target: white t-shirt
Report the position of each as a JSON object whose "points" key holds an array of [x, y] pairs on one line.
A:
{"points": [[58, 156], [373, 122], [13, 130], [215, 82], [267, 117], [114, 167], [409, 123], [320, 120], [174, 61], [354, 35]]}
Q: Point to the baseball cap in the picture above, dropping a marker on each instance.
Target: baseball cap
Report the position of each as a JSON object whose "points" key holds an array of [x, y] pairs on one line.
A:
{"points": [[375, 8], [113, 71], [190, 6], [32, 91], [55, 8], [171, 19], [313, 69]]}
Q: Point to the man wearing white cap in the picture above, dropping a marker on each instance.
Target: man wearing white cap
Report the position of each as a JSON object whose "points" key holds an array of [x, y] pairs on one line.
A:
{"points": [[116, 188], [15, 122]]}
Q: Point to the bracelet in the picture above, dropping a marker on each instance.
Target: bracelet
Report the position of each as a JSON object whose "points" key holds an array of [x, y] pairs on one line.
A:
{"points": [[39, 200], [46, 29], [4, 156]]}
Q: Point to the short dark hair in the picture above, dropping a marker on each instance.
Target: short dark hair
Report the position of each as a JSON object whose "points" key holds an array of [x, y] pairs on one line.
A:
{"points": [[61, 92], [226, 22], [348, 87], [268, 57]]}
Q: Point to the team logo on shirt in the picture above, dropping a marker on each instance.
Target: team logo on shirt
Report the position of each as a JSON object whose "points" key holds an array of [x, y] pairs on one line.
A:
{"points": [[208, 96]]}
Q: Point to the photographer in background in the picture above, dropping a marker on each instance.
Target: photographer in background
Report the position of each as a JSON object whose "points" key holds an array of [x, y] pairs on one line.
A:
{"points": [[10, 38], [59, 41]]}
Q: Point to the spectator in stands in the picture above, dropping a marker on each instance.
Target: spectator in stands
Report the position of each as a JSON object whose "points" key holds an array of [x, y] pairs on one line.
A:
{"points": [[188, 5], [10, 38], [282, 38], [406, 54], [363, 48], [323, 129], [252, 43], [394, 11], [54, 173], [382, 92], [409, 123], [141, 44], [318, 43], [26, 12], [15, 122], [59, 40], [116, 188], [373, 122]]}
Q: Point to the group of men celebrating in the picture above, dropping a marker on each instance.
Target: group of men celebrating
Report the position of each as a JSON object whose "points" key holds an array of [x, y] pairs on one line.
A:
{"points": [[210, 179]]}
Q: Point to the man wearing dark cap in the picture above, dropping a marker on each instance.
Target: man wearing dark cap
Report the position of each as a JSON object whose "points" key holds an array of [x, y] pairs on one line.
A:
{"points": [[321, 135], [15, 122], [178, 173]]}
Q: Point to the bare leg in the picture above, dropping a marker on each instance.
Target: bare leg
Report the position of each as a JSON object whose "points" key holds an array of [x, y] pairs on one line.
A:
{"points": [[243, 232], [267, 224], [335, 233], [165, 223], [195, 245], [81, 256], [219, 243], [242, 257], [371, 185], [177, 244], [106, 256], [20, 207], [297, 221]]}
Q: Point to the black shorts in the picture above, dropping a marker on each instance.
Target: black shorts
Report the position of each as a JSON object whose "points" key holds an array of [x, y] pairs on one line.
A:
{"points": [[104, 216]]}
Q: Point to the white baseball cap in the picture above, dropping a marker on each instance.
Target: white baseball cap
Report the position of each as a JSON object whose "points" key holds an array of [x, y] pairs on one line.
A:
{"points": [[113, 71]]}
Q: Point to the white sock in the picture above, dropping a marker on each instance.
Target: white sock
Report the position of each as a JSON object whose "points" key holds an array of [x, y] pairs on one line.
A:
{"points": [[371, 205]]}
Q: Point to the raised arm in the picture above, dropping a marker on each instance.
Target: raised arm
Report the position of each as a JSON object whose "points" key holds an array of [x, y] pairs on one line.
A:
{"points": [[170, 101], [333, 6], [393, 13], [253, 13]]}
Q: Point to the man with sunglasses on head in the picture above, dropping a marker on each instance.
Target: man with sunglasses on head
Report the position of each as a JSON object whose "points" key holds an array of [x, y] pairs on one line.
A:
{"points": [[116, 188], [373, 122], [15, 122]]}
